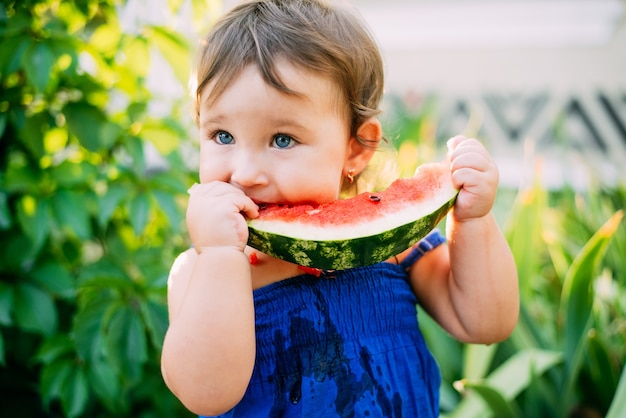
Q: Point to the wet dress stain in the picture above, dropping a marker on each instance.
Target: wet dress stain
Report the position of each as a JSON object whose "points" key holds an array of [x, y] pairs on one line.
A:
{"points": [[345, 344]]}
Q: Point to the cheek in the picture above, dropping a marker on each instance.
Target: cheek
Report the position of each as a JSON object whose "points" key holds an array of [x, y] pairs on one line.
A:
{"points": [[204, 175], [210, 168], [326, 177]]}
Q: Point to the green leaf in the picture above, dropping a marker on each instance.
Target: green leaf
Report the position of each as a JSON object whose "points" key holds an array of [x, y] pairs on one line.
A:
{"points": [[2, 356], [134, 147], [4, 116], [476, 360], [174, 48], [71, 212], [126, 342], [75, 393], [6, 303], [12, 53], [518, 371], [105, 383], [510, 379], [70, 173], [32, 133], [174, 5], [136, 111], [618, 406], [205, 13], [167, 205], [528, 333], [88, 330], [120, 283], [138, 209], [53, 378], [167, 183], [524, 233], [16, 251], [110, 201], [33, 216], [65, 379], [106, 38], [104, 275], [5, 214], [55, 278], [156, 319], [163, 137], [449, 353], [90, 125], [55, 348], [137, 56], [19, 177], [38, 61], [577, 298], [35, 310], [601, 368], [495, 400]]}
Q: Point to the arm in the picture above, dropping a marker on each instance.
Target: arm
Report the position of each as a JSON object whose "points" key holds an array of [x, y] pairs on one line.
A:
{"points": [[470, 286], [209, 348]]}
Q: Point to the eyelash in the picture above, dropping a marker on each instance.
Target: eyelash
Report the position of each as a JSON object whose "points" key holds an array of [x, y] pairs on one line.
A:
{"points": [[214, 136], [292, 142]]}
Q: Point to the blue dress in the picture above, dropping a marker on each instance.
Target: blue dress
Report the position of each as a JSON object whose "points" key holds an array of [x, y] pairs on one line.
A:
{"points": [[345, 344]]}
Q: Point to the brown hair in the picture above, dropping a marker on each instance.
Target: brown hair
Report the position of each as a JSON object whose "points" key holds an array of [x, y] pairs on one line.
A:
{"points": [[308, 33]]}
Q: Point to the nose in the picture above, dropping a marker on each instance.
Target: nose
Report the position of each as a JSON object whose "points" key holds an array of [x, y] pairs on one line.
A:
{"points": [[248, 169]]}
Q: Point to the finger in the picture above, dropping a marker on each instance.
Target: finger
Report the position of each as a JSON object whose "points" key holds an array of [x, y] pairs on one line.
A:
{"points": [[461, 177], [455, 141], [246, 206], [470, 158], [220, 193], [216, 190]]}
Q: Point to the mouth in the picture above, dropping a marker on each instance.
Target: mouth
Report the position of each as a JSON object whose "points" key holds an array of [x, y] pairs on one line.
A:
{"points": [[265, 204]]}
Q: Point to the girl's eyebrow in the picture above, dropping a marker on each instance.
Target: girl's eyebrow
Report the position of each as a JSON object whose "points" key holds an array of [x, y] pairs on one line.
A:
{"points": [[289, 123], [211, 120], [278, 122]]}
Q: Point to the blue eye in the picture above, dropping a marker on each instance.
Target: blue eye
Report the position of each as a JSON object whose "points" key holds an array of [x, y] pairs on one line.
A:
{"points": [[224, 138], [283, 141]]}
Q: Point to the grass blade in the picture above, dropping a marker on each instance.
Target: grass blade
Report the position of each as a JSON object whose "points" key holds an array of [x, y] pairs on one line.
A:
{"points": [[510, 379], [577, 299], [618, 406], [476, 360]]}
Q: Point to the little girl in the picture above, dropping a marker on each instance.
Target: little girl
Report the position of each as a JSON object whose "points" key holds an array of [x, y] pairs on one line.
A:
{"points": [[287, 97]]}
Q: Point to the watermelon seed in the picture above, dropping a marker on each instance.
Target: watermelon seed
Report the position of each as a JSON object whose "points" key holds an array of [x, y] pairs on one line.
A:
{"points": [[374, 198]]}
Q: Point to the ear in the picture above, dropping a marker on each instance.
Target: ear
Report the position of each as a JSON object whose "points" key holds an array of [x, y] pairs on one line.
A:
{"points": [[360, 151]]}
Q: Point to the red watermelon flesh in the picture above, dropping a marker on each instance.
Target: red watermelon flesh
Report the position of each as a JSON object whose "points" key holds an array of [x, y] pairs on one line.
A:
{"points": [[404, 201]]}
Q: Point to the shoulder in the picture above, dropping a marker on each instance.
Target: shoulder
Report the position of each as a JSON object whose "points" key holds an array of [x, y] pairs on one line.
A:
{"points": [[182, 266], [421, 249]]}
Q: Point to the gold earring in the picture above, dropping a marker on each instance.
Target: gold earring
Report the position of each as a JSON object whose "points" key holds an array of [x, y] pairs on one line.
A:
{"points": [[350, 176]]}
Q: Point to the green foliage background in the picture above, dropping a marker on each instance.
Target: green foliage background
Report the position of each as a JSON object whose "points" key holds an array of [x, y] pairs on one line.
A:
{"points": [[89, 226], [567, 355]]}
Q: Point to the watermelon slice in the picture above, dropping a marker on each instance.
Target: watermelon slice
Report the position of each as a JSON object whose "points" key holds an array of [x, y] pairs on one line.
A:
{"points": [[365, 229]]}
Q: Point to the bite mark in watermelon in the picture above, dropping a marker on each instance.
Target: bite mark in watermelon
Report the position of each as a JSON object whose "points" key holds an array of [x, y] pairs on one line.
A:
{"points": [[363, 230]]}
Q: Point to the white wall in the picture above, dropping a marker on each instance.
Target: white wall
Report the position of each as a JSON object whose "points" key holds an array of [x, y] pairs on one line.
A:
{"points": [[523, 66]]}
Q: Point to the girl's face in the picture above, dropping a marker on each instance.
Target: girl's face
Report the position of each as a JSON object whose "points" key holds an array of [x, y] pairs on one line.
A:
{"points": [[275, 147]]}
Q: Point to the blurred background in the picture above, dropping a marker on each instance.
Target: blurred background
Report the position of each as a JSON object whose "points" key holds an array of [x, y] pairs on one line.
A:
{"points": [[98, 148]]}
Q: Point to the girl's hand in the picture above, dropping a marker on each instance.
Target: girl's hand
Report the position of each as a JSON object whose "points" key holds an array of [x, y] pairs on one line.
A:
{"points": [[215, 215], [476, 175]]}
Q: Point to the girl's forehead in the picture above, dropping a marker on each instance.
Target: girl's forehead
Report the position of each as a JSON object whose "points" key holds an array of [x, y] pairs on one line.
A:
{"points": [[294, 80]]}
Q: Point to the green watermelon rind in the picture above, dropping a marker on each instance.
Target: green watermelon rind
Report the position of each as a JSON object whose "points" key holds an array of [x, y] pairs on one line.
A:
{"points": [[348, 253]]}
